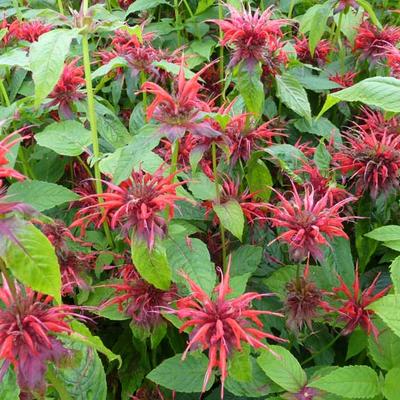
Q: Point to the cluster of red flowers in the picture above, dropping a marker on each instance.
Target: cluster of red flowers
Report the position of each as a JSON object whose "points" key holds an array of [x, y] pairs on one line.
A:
{"points": [[28, 31]]}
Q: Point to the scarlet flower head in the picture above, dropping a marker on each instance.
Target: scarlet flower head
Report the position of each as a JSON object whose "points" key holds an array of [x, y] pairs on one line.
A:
{"points": [[136, 203], [345, 80], [354, 310], [66, 91], [220, 325], [140, 300], [5, 146], [372, 159], [374, 121], [29, 31], [308, 222], [250, 34], [27, 328], [393, 60], [372, 43], [320, 55], [181, 111]]}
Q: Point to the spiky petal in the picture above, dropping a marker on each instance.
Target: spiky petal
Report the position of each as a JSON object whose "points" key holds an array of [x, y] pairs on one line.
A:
{"points": [[5, 146]]}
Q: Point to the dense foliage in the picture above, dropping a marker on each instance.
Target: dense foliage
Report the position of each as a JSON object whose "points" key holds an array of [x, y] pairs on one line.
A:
{"points": [[199, 199]]}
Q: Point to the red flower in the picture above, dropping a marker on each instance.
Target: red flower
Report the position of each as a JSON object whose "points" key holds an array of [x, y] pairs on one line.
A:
{"points": [[66, 90], [252, 209], [182, 111], [29, 31], [344, 5], [136, 203], [308, 222], [140, 300], [221, 324], [27, 327], [374, 121], [5, 146], [354, 310], [393, 59], [345, 80], [124, 4], [373, 159], [250, 35], [372, 43], [321, 51]]}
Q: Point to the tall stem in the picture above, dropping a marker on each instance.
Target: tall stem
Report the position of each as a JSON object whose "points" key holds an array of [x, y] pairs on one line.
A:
{"points": [[218, 199], [178, 21], [291, 6], [4, 94], [174, 157], [221, 47], [338, 39], [143, 79], [58, 384], [60, 6], [92, 120]]}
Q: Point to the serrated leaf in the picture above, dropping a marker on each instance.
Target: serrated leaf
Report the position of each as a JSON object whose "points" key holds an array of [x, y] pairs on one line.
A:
{"points": [[395, 274], [9, 389], [68, 138], [40, 195], [282, 368], [259, 179], [245, 259], [140, 5], [385, 233], [112, 129], [240, 367], [192, 257], [202, 187], [116, 62], [35, 264], [318, 24], [353, 382], [322, 157], [173, 68], [388, 309], [231, 217], [391, 387], [46, 60], [152, 264], [182, 376], [293, 95], [15, 58], [357, 343]]}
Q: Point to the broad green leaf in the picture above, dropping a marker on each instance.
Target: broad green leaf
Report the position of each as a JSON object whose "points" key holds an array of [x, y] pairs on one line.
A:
{"points": [[318, 24], [68, 138], [231, 217], [202, 187], [152, 264], [116, 62], [46, 59], [15, 58], [383, 92], [82, 334], [245, 259], [322, 157], [112, 129], [251, 89], [240, 367], [35, 264], [173, 68], [9, 389], [320, 127], [259, 179], [40, 195], [371, 13], [288, 156], [203, 5], [385, 233], [391, 387], [140, 5], [353, 382], [395, 274], [185, 376], [86, 379], [388, 309], [293, 95], [357, 343], [203, 47], [283, 368], [193, 258]]}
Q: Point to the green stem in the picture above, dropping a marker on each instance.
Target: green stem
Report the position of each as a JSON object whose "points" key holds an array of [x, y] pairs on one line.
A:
{"points": [[326, 347], [17, 10], [4, 94], [60, 6], [174, 157], [58, 384], [188, 8], [221, 47], [218, 199], [143, 79], [291, 6], [178, 21], [93, 123]]}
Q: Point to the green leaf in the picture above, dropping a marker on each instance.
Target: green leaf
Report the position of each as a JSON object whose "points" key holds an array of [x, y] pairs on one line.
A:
{"points": [[395, 274], [231, 217], [320, 127], [192, 257], [240, 367], [259, 179], [388, 309], [182, 376], [370, 10], [152, 264], [112, 129], [353, 382], [204, 48], [36, 264], [293, 95], [322, 157], [288, 156], [15, 58], [173, 68], [383, 92], [251, 88], [283, 368], [245, 259], [86, 379], [318, 24], [40, 195], [202, 187], [46, 58], [140, 5], [116, 62], [357, 343], [391, 387], [68, 138], [82, 334], [9, 389], [385, 233]]}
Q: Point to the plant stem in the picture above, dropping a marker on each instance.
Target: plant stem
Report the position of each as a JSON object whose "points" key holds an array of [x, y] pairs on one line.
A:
{"points": [[291, 6], [178, 21], [60, 6], [338, 39], [92, 120], [4, 94], [326, 347], [58, 384], [174, 157], [188, 8], [221, 47], [143, 79], [218, 199]]}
